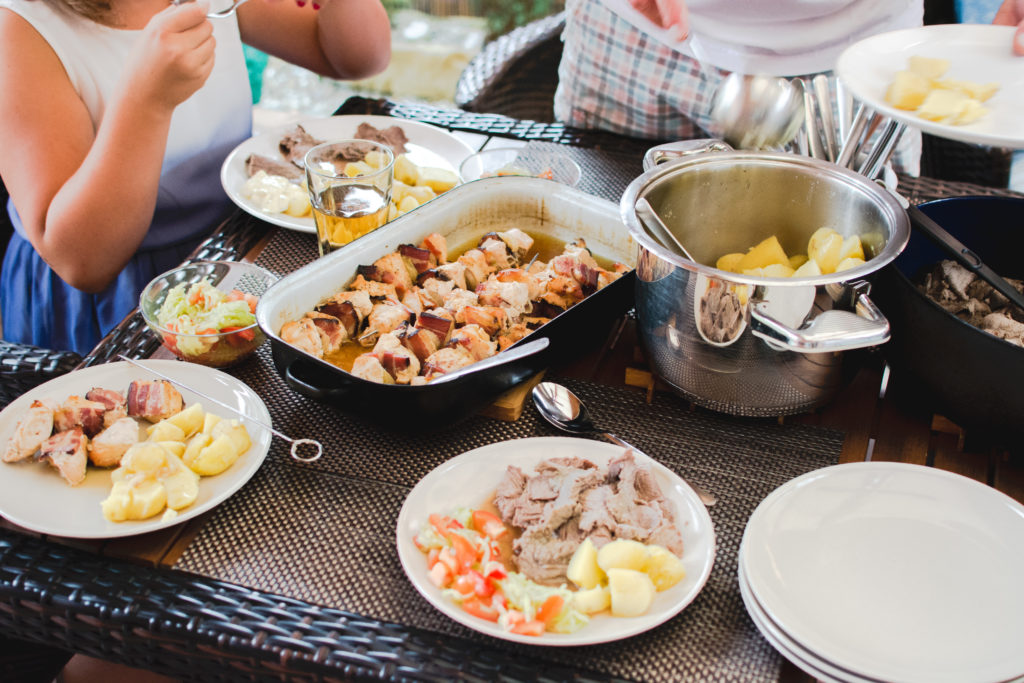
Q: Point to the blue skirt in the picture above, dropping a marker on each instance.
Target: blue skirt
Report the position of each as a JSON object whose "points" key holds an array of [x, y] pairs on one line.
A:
{"points": [[41, 309]]}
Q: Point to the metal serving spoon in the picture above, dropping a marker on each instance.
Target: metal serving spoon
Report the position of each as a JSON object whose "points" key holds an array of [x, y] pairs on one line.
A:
{"points": [[218, 13], [564, 410]]}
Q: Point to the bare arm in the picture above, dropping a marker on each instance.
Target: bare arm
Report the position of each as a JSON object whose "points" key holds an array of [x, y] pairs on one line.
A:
{"points": [[1011, 13], [86, 197], [346, 39], [666, 14]]}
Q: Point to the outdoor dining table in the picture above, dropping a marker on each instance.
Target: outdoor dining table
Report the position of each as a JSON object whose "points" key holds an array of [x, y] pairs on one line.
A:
{"points": [[296, 576]]}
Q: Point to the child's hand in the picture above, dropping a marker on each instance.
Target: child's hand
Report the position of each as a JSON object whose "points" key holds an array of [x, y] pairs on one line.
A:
{"points": [[666, 14], [174, 57]]}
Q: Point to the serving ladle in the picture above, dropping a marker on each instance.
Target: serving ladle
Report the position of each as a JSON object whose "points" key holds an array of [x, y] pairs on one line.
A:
{"points": [[757, 112], [564, 410]]}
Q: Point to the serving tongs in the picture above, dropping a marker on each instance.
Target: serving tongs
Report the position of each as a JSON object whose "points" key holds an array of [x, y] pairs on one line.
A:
{"points": [[296, 443], [962, 254]]}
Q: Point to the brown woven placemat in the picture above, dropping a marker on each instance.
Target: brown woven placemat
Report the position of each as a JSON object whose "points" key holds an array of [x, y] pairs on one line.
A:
{"points": [[325, 533]]}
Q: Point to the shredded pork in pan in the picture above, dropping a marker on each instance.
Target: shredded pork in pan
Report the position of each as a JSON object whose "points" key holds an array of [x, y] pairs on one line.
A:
{"points": [[421, 315], [968, 297]]}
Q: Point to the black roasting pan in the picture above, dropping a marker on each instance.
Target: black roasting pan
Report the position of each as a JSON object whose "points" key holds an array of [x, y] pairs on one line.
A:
{"points": [[462, 214]]}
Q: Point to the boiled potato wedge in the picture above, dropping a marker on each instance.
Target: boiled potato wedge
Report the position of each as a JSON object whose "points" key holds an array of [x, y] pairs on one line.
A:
{"points": [[766, 253], [631, 592], [907, 90], [664, 568], [622, 554], [583, 568], [592, 600], [191, 419]]}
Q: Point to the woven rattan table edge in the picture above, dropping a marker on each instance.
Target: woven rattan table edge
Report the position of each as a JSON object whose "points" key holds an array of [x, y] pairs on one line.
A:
{"points": [[191, 627]]}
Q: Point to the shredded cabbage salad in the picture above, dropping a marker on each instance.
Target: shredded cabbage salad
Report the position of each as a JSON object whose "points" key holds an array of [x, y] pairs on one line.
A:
{"points": [[202, 309], [463, 557]]}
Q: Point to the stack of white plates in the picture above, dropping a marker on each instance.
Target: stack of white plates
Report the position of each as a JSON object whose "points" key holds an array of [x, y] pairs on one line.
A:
{"points": [[888, 572]]}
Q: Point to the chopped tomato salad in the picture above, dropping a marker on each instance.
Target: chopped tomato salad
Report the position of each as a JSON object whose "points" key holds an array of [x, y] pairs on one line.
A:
{"points": [[464, 561]]}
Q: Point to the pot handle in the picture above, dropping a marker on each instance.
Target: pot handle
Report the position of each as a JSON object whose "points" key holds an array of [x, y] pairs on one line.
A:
{"points": [[833, 330], [682, 149], [303, 387]]}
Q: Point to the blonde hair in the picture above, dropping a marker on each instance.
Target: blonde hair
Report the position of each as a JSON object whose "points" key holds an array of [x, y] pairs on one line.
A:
{"points": [[94, 10]]}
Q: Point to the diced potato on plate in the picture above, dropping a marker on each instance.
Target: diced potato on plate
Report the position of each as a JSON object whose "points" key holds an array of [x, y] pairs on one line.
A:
{"points": [[943, 106], [181, 485], [907, 90], [375, 158], [406, 171], [631, 592], [215, 458], [355, 169], [584, 570], [165, 430], [196, 444], [592, 600], [664, 568], [622, 554], [438, 179], [190, 420], [928, 67], [408, 203]]}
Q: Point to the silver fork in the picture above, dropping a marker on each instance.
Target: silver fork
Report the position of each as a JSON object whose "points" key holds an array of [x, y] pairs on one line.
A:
{"points": [[227, 12]]}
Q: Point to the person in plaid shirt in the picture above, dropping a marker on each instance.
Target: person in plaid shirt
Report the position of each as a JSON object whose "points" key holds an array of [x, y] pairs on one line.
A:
{"points": [[614, 76]]}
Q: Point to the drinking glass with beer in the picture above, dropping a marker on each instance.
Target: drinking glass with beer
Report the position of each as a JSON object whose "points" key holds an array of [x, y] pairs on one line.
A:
{"points": [[349, 188]]}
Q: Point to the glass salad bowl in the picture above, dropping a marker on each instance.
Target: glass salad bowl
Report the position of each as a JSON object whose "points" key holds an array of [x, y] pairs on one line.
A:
{"points": [[204, 312]]}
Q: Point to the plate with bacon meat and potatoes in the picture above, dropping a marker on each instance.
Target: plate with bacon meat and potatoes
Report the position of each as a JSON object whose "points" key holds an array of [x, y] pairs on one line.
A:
{"points": [[265, 175], [112, 450], [556, 541]]}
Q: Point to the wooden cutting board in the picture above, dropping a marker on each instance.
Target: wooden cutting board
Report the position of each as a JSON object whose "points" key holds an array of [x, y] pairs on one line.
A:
{"points": [[509, 406]]}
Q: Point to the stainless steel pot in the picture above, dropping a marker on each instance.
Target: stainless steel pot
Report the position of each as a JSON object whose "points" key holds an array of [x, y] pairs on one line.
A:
{"points": [[749, 345]]}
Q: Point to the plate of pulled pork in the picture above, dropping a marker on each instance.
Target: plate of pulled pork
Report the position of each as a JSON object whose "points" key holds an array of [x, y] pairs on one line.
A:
{"points": [[112, 450], [556, 541], [265, 175]]}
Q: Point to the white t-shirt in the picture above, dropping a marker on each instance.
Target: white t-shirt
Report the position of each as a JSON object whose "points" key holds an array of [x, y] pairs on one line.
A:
{"points": [[780, 37], [204, 128]]}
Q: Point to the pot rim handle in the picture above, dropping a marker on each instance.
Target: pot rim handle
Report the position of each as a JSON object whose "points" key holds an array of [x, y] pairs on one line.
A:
{"points": [[833, 330], [670, 151]]}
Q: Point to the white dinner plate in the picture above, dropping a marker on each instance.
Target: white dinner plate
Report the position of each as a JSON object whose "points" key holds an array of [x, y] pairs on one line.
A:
{"points": [[893, 571], [806, 661], [977, 52], [35, 496], [470, 479], [428, 146]]}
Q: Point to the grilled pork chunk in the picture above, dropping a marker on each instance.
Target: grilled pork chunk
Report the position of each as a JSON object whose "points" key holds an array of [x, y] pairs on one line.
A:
{"points": [[113, 401], [80, 412], [109, 445], [66, 451], [153, 400], [32, 430]]}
